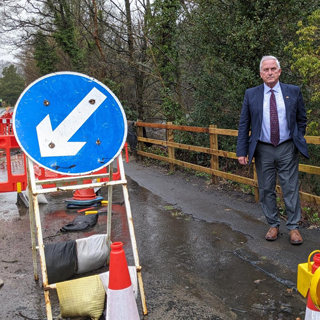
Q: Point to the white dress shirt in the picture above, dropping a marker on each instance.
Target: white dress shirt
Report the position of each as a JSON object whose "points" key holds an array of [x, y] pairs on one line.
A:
{"points": [[283, 123]]}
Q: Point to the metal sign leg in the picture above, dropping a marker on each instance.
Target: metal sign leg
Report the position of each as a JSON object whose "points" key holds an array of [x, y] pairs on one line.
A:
{"points": [[132, 236], [36, 213], [109, 215], [32, 227]]}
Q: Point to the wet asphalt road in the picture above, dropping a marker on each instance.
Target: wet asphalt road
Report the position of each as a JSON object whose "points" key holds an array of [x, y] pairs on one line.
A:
{"points": [[202, 251], [218, 251]]}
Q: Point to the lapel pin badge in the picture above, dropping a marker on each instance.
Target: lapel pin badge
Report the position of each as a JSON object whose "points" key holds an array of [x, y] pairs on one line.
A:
{"points": [[287, 97]]}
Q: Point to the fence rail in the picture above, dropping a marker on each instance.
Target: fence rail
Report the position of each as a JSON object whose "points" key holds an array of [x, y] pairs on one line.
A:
{"points": [[215, 153]]}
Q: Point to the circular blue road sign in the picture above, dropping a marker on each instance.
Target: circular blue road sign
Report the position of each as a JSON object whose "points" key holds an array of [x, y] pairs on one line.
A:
{"points": [[70, 123]]}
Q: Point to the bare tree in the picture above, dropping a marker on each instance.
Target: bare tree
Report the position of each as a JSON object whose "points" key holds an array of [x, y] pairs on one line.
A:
{"points": [[105, 39]]}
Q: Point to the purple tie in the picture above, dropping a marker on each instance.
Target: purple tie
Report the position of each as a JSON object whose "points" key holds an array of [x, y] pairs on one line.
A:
{"points": [[274, 121]]}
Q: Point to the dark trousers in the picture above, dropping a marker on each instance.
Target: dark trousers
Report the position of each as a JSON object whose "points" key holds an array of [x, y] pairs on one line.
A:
{"points": [[282, 160]]}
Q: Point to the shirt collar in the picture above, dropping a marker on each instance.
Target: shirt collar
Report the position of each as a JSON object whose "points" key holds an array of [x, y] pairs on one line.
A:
{"points": [[276, 88]]}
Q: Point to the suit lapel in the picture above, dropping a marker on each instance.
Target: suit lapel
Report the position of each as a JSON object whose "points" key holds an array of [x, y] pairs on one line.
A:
{"points": [[286, 99], [260, 96]]}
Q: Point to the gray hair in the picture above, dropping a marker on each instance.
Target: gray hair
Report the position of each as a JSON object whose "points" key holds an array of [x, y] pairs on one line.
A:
{"points": [[270, 58]]}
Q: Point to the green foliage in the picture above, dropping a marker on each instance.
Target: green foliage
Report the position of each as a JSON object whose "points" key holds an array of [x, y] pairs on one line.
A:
{"points": [[165, 53], [163, 26], [311, 215], [281, 208], [113, 86], [44, 54], [313, 128], [11, 85], [305, 53], [224, 42], [171, 107], [116, 89], [306, 56], [66, 32]]}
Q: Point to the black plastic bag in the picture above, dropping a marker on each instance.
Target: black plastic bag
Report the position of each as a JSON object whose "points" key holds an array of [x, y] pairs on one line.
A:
{"points": [[81, 223], [132, 137], [61, 260]]}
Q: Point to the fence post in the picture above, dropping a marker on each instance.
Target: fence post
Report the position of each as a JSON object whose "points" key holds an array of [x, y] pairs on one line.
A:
{"points": [[214, 159], [170, 149], [256, 189]]}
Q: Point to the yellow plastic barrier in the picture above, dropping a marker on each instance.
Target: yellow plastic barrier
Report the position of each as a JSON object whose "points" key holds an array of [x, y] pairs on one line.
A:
{"points": [[307, 280], [315, 288]]}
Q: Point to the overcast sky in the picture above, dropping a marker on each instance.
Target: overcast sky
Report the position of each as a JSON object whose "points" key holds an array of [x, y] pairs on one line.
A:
{"points": [[5, 50], [6, 57]]}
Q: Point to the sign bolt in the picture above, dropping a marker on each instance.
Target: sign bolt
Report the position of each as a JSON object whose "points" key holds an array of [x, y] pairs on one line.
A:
{"points": [[46, 102], [51, 145]]}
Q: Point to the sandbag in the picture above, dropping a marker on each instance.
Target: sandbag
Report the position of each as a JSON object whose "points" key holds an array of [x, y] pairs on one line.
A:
{"points": [[83, 297], [61, 260], [41, 197], [81, 223], [92, 253]]}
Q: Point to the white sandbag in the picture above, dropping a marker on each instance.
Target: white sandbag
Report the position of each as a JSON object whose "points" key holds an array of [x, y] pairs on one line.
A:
{"points": [[41, 197], [92, 253]]}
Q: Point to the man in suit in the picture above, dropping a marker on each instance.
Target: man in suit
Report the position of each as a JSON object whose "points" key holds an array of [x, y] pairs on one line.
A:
{"points": [[276, 115]]}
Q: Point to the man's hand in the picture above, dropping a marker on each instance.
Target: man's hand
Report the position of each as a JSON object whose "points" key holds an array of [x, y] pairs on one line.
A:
{"points": [[243, 160]]}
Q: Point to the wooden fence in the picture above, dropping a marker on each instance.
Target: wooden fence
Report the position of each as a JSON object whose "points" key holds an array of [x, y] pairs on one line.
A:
{"points": [[215, 153]]}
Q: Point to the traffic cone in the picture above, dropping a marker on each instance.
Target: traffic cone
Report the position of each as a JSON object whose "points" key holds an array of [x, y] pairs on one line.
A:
{"points": [[83, 197], [312, 312], [84, 194], [121, 303]]}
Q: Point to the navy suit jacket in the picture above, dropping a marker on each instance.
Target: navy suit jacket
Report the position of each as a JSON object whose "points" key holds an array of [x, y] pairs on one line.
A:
{"points": [[251, 118]]}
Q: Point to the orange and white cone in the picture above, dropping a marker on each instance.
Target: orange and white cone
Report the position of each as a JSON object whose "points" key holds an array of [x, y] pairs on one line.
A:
{"points": [[312, 312], [121, 302]]}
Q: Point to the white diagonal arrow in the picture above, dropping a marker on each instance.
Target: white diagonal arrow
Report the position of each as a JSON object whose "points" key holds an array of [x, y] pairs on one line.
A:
{"points": [[55, 143]]}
